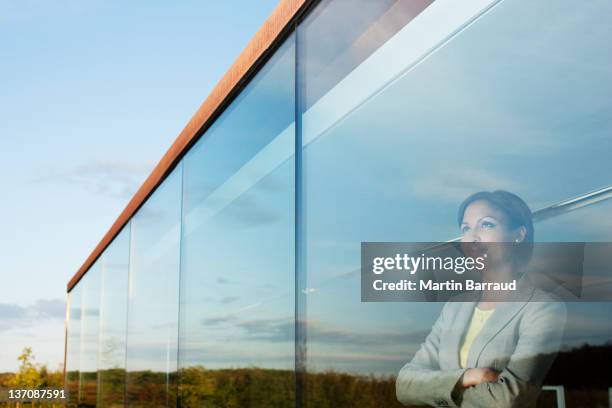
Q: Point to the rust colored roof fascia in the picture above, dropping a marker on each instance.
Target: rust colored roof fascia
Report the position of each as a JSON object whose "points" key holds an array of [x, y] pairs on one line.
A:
{"points": [[273, 29]]}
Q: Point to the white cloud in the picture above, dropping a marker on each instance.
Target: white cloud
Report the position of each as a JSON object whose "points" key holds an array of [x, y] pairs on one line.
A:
{"points": [[113, 178], [13, 316], [454, 184]]}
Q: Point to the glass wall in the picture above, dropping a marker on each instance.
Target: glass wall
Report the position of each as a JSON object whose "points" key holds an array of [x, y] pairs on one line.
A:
{"points": [[237, 266], [404, 108], [90, 318], [73, 346], [518, 100], [113, 321], [356, 29], [153, 298]]}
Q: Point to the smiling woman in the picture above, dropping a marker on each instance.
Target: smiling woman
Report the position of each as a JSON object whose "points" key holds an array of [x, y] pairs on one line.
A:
{"points": [[514, 357]]}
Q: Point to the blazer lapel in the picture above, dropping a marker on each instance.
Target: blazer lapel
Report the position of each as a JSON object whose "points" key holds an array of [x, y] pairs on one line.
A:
{"points": [[501, 317], [454, 336]]}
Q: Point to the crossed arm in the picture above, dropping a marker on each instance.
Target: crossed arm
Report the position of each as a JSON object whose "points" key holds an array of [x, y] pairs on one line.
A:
{"points": [[422, 382]]}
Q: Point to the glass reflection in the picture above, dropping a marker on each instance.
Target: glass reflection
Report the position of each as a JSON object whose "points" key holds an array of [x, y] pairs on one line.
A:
{"points": [[391, 150], [88, 375], [113, 318], [153, 298], [73, 347], [493, 348], [237, 291], [357, 27]]}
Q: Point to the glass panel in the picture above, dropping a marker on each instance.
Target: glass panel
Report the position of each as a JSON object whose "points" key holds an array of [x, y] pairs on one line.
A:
{"points": [[113, 318], [437, 112], [237, 291], [153, 298], [357, 27], [88, 376], [73, 346]]}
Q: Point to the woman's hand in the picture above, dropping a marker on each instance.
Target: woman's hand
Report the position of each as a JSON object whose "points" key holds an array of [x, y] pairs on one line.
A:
{"points": [[475, 376]]}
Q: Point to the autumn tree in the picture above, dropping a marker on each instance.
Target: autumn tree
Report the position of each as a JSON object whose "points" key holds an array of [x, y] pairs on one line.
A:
{"points": [[31, 375]]}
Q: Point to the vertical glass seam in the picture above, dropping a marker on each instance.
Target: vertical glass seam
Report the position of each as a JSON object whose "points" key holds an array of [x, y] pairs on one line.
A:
{"points": [[66, 331], [180, 268], [81, 320], [102, 261], [127, 312], [299, 332]]}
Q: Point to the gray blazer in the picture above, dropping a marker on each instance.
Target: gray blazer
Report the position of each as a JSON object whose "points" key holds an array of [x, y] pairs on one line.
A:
{"points": [[520, 339]]}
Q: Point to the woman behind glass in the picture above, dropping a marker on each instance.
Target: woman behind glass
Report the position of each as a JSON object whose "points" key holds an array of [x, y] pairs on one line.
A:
{"points": [[489, 349]]}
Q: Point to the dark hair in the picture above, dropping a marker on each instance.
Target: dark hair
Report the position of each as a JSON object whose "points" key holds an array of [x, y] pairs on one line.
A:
{"points": [[515, 209]]}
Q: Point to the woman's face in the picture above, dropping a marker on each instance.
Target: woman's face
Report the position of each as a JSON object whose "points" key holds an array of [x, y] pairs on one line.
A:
{"points": [[484, 223]]}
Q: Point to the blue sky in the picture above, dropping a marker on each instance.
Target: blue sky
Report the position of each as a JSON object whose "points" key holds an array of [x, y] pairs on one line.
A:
{"points": [[92, 95]]}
